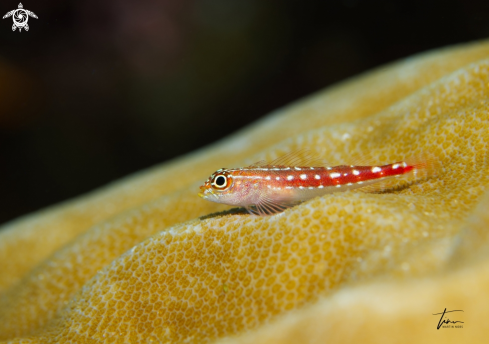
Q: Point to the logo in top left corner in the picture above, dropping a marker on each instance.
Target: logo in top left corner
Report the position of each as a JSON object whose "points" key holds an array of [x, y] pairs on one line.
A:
{"points": [[20, 17]]}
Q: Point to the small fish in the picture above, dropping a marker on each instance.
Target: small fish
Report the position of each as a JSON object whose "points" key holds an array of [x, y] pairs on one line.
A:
{"points": [[267, 188]]}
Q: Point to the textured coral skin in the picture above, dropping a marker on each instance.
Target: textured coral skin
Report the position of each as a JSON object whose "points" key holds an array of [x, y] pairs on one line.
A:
{"points": [[133, 263]]}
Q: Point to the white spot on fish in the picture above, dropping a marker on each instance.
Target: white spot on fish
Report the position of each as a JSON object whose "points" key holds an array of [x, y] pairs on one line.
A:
{"points": [[303, 176], [395, 166], [345, 174], [301, 187], [404, 164], [289, 187], [312, 168], [277, 178], [310, 188], [317, 176], [376, 169], [320, 186], [338, 186], [356, 172], [290, 177], [268, 178], [334, 175], [349, 184], [297, 168]]}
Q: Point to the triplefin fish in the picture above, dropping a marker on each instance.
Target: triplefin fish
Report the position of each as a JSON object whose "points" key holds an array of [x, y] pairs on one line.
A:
{"points": [[267, 188]]}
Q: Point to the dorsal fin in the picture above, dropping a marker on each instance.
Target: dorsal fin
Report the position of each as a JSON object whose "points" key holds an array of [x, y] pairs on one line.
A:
{"points": [[302, 157], [260, 163], [365, 159]]}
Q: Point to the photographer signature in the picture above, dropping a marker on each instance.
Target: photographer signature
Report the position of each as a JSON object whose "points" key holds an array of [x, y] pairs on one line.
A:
{"points": [[447, 321]]}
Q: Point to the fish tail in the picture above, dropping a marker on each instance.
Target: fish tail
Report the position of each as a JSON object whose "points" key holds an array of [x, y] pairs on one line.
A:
{"points": [[420, 167], [424, 166]]}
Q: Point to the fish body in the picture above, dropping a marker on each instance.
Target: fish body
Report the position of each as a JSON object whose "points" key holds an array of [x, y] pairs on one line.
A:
{"points": [[265, 189]]}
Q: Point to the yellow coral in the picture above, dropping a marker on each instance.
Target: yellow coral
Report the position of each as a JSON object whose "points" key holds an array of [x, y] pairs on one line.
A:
{"points": [[132, 263]]}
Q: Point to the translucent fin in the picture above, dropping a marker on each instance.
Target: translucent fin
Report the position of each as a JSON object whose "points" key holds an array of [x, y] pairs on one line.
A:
{"points": [[264, 209], [260, 163], [268, 207], [365, 159], [302, 157], [251, 210], [424, 167], [274, 206]]}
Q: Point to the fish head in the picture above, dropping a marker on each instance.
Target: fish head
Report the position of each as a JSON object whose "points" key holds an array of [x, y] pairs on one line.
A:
{"points": [[219, 187]]}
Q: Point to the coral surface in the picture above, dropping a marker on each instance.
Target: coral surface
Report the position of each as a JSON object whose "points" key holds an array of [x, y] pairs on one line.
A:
{"points": [[143, 261]]}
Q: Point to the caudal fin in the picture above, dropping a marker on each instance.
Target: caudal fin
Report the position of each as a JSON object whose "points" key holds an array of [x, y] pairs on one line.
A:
{"points": [[420, 168], [424, 166]]}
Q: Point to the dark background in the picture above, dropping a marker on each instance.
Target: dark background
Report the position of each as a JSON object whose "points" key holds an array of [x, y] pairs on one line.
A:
{"points": [[96, 90]]}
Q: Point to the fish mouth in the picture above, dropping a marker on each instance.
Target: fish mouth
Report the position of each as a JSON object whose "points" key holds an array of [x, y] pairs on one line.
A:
{"points": [[203, 192]]}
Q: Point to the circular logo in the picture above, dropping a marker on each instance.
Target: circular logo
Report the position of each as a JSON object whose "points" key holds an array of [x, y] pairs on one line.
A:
{"points": [[20, 17]]}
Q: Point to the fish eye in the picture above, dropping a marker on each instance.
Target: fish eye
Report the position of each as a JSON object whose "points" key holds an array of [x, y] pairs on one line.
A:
{"points": [[220, 181]]}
